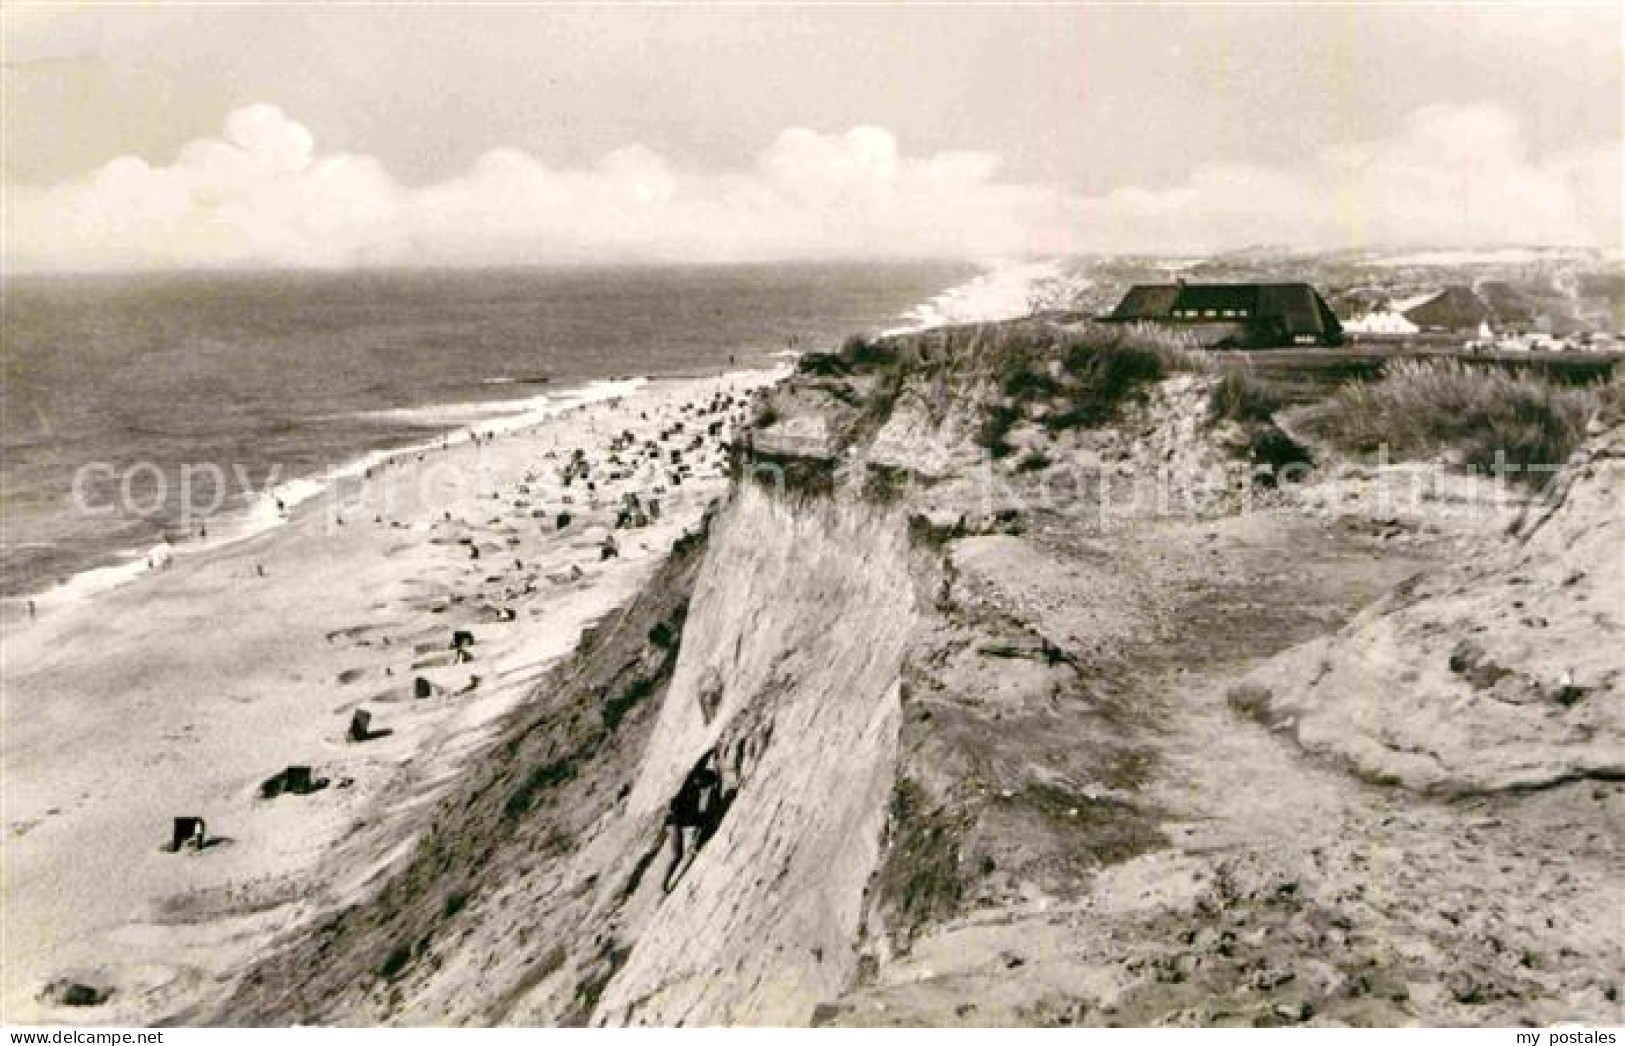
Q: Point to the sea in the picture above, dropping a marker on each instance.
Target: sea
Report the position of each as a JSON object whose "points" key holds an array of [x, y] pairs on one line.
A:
{"points": [[123, 395]]}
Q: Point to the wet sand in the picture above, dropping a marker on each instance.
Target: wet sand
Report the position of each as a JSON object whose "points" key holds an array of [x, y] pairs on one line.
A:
{"points": [[180, 693]]}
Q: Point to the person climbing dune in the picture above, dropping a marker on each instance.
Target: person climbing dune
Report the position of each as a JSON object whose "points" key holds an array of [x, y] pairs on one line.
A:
{"points": [[692, 810]]}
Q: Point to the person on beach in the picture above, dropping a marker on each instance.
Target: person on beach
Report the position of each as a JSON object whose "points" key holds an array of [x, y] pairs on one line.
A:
{"points": [[32, 610]]}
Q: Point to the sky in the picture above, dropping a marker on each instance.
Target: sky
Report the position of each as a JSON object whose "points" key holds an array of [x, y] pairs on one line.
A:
{"points": [[309, 136]]}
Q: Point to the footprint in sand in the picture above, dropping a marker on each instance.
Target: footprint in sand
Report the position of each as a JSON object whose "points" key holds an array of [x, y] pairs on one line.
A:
{"points": [[350, 675]]}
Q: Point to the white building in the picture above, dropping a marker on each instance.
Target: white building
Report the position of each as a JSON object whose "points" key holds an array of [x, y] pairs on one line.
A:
{"points": [[1383, 321]]}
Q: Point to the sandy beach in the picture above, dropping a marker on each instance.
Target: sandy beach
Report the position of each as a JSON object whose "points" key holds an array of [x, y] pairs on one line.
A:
{"points": [[182, 692]]}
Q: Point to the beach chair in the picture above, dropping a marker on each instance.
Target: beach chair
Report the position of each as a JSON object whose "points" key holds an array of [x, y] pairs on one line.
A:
{"points": [[188, 830]]}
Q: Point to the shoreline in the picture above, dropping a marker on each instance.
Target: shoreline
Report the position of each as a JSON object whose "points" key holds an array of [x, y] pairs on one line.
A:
{"points": [[180, 693], [999, 286], [118, 567]]}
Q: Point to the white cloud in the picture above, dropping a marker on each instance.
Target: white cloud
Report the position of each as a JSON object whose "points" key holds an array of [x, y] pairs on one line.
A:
{"points": [[263, 194]]}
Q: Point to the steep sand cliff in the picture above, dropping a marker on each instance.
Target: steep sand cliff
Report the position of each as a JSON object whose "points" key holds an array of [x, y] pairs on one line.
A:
{"points": [[539, 893], [1056, 734]]}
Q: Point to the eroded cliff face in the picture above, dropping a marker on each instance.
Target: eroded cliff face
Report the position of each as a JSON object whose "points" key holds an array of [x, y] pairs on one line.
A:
{"points": [[969, 698]]}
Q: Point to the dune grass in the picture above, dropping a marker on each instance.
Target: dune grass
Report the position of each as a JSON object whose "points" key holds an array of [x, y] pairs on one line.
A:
{"points": [[997, 421], [1082, 377], [1112, 366], [1087, 375], [1478, 415]]}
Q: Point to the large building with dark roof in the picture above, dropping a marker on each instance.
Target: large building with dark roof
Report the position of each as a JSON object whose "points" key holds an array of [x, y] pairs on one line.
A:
{"points": [[1235, 315]]}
